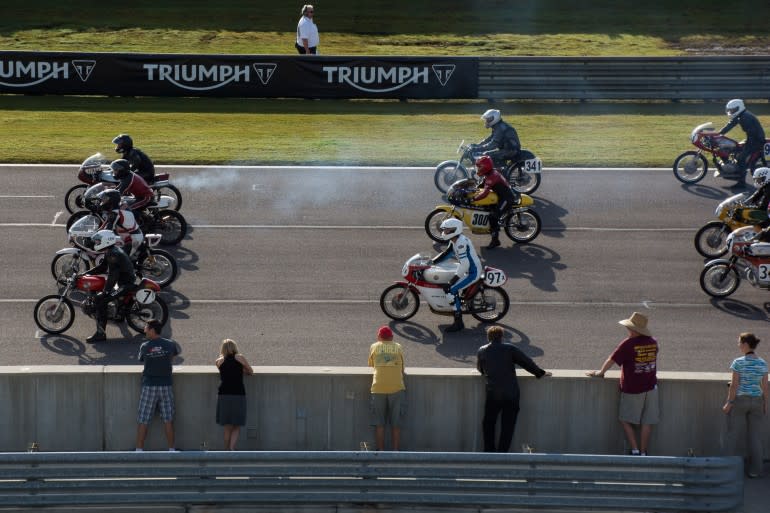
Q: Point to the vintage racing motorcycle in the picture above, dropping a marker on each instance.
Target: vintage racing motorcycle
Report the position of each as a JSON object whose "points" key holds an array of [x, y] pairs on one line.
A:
{"points": [[711, 239], [524, 173], [520, 223], [691, 166], [485, 299], [96, 169], [148, 261], [153, 218], [55, 313], [748, 259]]}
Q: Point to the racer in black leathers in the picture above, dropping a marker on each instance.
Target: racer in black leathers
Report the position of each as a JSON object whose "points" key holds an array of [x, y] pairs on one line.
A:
{"points": [[755, 134], [503, 143], [121, 278], [140, 163]]}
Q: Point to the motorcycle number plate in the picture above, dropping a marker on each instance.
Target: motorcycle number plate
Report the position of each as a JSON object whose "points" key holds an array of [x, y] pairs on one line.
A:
{"points": [[767, 150], [144, 296], [533, 166], [764, 273], [480, 220], [494, 277]]}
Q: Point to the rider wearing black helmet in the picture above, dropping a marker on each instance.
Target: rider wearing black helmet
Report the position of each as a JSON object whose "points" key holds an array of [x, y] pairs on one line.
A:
{"points": [[120, 221], [131, 184], [140, 163]]}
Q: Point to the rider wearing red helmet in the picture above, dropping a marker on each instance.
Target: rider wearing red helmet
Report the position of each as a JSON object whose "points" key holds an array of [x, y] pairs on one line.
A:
{"points": [[506, 197]]}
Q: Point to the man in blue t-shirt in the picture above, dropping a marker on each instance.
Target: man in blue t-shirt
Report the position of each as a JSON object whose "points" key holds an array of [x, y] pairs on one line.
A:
{"points": [[158, 354]]}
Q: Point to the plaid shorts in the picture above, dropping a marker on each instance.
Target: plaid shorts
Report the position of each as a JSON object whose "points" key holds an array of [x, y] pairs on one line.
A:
{"points": [[156, 397]]}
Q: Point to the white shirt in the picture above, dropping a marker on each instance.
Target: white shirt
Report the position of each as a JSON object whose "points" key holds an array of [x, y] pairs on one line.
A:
{"points": [[307, 29]]}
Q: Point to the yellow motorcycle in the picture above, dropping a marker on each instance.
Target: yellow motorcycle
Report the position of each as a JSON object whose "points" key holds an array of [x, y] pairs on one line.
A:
{"points": [[711, 239], [520, 223]]}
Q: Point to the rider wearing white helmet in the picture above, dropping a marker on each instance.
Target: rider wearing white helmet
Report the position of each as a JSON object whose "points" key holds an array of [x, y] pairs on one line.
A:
{"points": [[469, 270], [755, 134], [120, 277], [503, 143], [761, 197]]}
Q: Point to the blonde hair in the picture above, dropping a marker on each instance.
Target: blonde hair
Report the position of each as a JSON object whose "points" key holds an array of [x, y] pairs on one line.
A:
{"points": [[229, 347], [306, 7]]}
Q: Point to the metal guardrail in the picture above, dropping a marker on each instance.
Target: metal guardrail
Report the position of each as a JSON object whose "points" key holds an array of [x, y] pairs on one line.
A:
{"points": [[625, 483], [618, 78]]}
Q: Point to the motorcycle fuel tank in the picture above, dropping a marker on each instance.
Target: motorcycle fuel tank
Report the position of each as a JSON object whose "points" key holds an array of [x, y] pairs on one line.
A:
{"points": [[440, 273]]}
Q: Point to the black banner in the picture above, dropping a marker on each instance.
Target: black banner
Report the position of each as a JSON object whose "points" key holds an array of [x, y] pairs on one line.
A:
{"points": [[246, 76]]}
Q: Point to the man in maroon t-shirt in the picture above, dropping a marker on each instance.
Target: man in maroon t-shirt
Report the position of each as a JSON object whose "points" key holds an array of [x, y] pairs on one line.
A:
{"points": [[637, 357]]}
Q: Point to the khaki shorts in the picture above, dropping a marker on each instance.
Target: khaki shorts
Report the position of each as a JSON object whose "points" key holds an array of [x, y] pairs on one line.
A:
{"points": [[387, 408], [640, 408]]}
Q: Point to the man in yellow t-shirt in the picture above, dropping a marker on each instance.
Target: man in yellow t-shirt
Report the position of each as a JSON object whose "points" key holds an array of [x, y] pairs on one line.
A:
{"points": [[387, 402]]}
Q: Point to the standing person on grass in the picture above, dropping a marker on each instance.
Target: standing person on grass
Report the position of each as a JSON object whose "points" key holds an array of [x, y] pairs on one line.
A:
{"points": [[387, 401], [158, 354], [637, 356], [307, 32], [231, 401]]}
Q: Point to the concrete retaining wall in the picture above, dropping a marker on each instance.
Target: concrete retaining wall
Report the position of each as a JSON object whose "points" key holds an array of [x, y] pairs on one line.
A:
{"points": [[92, 408]]}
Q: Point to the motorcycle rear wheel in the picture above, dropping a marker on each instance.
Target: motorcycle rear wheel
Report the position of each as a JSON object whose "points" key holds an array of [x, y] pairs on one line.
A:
{"points": [[54, 314], [719, 280], [64, 266], [447, 174], [433, 222], [139, 314], [522, 182], [690, 167], [523, 227], [494, 298], [73, 200], [399, 302], [171, 191], [160, 267], [170, 224], [711, 239]]}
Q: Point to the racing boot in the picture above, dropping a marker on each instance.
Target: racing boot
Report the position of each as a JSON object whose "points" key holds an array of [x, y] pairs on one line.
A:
{"points": [[457, 325], [99, 336], [494, 242]]}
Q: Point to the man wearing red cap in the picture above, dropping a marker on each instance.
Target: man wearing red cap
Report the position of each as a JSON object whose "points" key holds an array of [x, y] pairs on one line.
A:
{"points": [[388, 390]]}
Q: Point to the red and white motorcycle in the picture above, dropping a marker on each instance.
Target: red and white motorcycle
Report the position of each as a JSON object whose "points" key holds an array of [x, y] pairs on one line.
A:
{"points": [[748, 258], [485, 300]]}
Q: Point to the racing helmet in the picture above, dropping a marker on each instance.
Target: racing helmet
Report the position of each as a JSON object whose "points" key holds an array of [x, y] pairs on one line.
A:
{"points": [[120, 168], [484, 165], [123, 143], [103, 239], [451, 228], [109, 200], [491, 117], [734, 108], [761, 176]]}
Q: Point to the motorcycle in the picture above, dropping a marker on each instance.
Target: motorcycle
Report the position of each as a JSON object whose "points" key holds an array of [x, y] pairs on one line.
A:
{"points": [[55, 313], [520, 223], [96, 169], [485, 299], [148, 261], [524, 173], [691, 166], [155, 217], [748, 258], [711, 239]]}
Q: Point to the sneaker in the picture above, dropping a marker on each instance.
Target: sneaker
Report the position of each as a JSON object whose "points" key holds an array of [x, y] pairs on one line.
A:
{"points": [[634, 452]]}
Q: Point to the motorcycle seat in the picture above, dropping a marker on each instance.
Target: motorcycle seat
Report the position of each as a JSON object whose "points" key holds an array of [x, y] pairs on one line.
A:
{"points": [[760, 249]]}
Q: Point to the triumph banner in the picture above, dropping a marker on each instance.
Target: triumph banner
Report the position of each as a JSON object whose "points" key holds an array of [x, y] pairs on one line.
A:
{"points": [[247, 76]]}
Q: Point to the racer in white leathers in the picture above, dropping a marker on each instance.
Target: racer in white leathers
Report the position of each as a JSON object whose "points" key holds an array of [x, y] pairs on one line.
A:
{"points": [[121, 221], [469, 270]]}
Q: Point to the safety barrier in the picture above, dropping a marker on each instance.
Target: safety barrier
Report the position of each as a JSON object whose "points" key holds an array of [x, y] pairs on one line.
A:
{"points": [[627, 483]]}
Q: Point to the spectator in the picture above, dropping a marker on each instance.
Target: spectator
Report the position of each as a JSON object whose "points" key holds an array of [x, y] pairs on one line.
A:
{"points": [[231, 401], [637, 357], [307, 32], [157, 353], [747, 401], [497, 361], [387, 401]]}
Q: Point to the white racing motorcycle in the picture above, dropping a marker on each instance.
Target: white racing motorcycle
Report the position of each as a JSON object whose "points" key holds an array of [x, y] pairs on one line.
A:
{"points": [[485, 300]]}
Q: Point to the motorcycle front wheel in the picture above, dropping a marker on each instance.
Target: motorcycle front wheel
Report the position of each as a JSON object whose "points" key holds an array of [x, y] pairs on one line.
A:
{"points": [[433, 223], [399, 302], [711, 239], [490, 305], [64, 266], [54, 314], [690, 167], [523, 227], [170, 224], [139, 314], [521, 181], [447, 174], [172, 192], [160, 267], [73, 200], [74, 217], [719, 280]]}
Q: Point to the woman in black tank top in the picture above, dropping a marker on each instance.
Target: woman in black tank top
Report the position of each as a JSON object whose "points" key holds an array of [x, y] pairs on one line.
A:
{"points": [[231, 401]]}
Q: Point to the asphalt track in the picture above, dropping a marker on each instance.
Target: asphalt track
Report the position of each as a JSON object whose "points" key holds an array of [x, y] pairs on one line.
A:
{"points": [[290, 262]]}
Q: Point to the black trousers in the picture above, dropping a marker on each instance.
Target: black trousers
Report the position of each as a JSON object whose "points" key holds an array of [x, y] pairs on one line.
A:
{"points": [[494, 407], [301, 49], [742, 159]]}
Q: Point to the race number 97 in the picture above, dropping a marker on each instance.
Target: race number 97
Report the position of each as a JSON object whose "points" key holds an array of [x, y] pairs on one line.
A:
{"points": [[494, 278]]}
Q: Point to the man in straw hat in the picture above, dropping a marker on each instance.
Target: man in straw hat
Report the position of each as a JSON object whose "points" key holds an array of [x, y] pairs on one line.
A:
{"points": [[637, 357]]}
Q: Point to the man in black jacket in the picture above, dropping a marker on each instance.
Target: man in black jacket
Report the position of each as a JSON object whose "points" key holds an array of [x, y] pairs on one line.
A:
{"points": [[497, 361], [503, 143], [140, 163], [755, 135]]}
